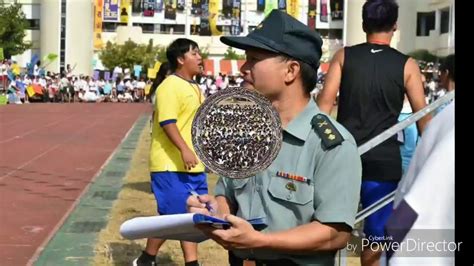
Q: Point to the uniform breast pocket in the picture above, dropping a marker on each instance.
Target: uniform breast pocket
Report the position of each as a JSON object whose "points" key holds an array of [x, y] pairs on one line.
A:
{"points": [[248, 199], [296, 192]]}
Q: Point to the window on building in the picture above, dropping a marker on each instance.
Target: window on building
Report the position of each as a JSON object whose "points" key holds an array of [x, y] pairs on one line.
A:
{"points": [[227, 29], [330, 33], [335, 34], [425, 21], [33, 24], [224, 29], [337, 9], [137, 6], [62, 59], [444, 27], [195, 29], [146, 28], [323, 32], [62, 48], [172, 29], [111, 26]]}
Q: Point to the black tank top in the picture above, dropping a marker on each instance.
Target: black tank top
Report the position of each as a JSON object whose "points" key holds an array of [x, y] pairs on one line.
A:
{"points": [[370, 100]]}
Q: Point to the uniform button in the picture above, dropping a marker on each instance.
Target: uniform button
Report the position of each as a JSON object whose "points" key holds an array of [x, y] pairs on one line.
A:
{"points": [[289, 197], [258, 188]]}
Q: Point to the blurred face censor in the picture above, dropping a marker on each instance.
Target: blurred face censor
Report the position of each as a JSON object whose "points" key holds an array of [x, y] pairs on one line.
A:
{"points": [[192, 61], [264, 71]]}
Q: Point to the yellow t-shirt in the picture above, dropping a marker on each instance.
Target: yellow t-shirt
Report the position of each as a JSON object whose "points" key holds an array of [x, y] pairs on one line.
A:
{"points": [[176, 100]]}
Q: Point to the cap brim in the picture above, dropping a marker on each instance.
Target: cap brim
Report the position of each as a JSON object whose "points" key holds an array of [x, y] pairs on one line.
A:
{"points": [[245, 43]]}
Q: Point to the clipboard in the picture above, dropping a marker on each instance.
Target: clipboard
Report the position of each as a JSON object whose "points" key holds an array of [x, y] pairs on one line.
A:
{"points": [[177, 226]]}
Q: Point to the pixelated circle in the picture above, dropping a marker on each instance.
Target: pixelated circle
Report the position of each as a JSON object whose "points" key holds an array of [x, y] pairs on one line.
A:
{"points": [[237, 133]]}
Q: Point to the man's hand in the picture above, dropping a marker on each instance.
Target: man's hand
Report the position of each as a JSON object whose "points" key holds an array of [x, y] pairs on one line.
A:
{"points": [[240, 235], [189, 159], [198, 205]]}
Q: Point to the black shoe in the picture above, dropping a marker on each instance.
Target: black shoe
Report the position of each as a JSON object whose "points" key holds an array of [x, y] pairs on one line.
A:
{"points": [[144, 260]]}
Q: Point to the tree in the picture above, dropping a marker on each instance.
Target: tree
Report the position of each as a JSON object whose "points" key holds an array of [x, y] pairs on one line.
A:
{"points": [[424, 55], [204, 52], [162, 53], [13, 24], [129, 54], [232, 55]]}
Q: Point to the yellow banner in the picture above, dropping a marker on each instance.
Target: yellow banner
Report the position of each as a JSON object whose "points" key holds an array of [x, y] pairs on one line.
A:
{"points": [[293, 8], [152, 73], [147, 89], [99, 6], [124, 11], [16, 69], [213, 13], [157, 65], [30, 91], [3, 99]]}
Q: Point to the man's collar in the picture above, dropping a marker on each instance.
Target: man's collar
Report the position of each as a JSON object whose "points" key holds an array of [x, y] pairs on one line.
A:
{"points": [[301, 124]]}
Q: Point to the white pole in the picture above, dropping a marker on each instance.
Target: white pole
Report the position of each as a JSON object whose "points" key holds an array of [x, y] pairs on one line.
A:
{"points": [[244, 21], [451, 28], [303, 17], [344, 29], [187, 28]]}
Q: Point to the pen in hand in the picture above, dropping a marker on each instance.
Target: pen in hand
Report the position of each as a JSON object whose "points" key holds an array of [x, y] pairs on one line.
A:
{"points": [[194, 193]]}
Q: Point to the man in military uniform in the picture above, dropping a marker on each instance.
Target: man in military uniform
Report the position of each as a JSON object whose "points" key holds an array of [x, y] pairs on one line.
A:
{"points": [[309, 195]]}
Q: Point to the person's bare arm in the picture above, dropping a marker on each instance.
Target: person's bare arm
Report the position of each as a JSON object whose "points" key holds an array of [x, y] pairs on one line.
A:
{"points": [[189, 158], [415, 91], [225, 206], [310, 237], [332, 81]]}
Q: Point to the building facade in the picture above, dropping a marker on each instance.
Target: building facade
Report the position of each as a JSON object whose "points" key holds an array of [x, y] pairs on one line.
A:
{"points": [[422, 25], [70, 28]]}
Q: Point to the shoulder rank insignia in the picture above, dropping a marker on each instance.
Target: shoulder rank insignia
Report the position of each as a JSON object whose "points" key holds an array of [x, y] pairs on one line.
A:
{"points": [[328, 133]]}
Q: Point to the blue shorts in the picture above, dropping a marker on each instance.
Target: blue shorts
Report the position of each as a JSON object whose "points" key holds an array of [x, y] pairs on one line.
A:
{"points": [[171, 192], [371, 192]]}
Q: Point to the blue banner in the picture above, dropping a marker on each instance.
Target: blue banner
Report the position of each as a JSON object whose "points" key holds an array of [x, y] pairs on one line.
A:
{"points": [[11, 76], [111, 10], [96, 74], [260, 5], [137, 69], [31, 66]]}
